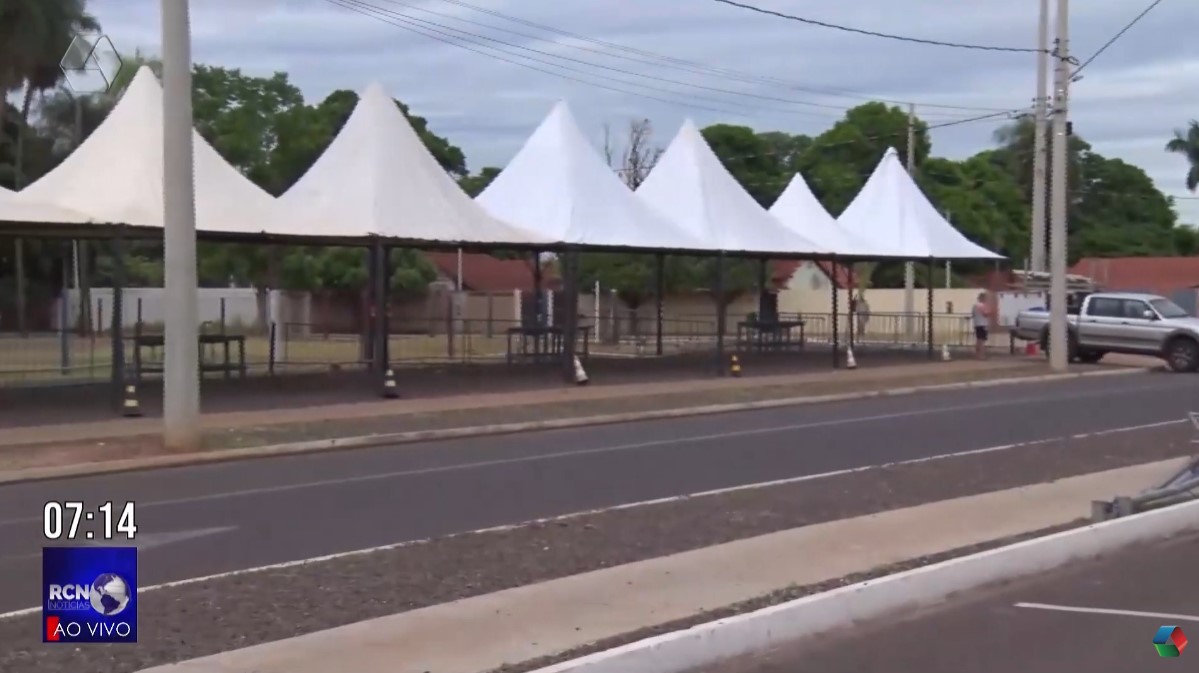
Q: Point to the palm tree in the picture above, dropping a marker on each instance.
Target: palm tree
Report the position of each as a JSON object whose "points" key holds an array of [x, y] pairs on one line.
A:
{"points": [[1186, 143], [35, 35]]}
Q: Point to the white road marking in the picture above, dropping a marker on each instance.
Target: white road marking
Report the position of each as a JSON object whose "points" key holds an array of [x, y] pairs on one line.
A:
{"points": [[1165, 616], [143, 542], [619, 448], [644, 503]]}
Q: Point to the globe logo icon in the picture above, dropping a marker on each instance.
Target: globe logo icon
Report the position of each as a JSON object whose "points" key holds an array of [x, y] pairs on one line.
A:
{"points": [[110, 595]]}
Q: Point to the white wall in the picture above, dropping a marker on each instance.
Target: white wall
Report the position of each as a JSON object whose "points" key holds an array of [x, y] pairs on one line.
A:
{"points": [[241, 306]]}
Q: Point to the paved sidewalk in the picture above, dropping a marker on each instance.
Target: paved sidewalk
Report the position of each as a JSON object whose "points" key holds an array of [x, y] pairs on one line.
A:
{"points": [[703, 391], [482, 633]]}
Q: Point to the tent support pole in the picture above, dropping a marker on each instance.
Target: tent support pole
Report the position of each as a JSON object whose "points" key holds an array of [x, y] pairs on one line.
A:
{"points": [[570, 320], [367, 348], [659, 297], [116, 329], [931, 267], [379, 337], [833, 268], [720, 313]]}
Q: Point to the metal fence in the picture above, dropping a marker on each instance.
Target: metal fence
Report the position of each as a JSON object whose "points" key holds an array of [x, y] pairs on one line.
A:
{"points": [[237, 349]]}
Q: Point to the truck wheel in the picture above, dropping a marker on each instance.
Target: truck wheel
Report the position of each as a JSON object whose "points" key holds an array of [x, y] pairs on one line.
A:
{"points": [[1182, 354]]}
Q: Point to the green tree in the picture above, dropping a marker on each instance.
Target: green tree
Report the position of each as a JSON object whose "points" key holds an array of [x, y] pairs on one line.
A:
{"points": [[837, 162], [1186, 143], [474, 185], [749, 158]]}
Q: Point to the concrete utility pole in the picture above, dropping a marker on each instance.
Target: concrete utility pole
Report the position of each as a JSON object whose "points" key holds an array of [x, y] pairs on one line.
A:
{"points": [[1058, 357], [181, 383], [1039, 184], [909, 268]]}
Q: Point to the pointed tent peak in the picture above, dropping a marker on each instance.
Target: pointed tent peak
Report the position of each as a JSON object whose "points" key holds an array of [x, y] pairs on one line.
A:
{"points": [[374, 92], [799, 195], [891, 152]]}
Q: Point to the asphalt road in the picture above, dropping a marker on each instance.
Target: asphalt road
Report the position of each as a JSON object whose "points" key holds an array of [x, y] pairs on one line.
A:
{"points": [[210, 519], [1096, 616]]}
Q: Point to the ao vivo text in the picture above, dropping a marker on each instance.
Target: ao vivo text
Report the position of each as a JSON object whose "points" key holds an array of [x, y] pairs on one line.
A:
{"points": [[56, 628]]}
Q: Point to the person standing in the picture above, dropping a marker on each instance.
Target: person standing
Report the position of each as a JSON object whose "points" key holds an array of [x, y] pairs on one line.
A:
{"points": [[980, 317]]}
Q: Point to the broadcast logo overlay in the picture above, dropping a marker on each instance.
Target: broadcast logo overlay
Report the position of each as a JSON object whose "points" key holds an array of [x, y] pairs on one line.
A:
{"points": [[1169, 641], [89, 594]]}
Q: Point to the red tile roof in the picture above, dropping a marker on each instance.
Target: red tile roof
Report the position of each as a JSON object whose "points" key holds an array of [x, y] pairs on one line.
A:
{"points": [[484, 273], [1159, 275]]}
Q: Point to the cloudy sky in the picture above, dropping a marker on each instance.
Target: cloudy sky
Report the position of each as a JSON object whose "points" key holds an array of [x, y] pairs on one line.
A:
{"points": [[704, 60]]}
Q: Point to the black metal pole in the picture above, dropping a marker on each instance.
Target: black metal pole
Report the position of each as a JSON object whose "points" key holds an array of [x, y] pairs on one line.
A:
{"points": [[659, 295], [117, 336], [379, 303], [833, 268], [718, 291], [570, 286], [931, 268]]}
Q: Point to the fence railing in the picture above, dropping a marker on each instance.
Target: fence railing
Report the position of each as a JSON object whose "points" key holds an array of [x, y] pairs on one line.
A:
{"points": [[239, 350]]}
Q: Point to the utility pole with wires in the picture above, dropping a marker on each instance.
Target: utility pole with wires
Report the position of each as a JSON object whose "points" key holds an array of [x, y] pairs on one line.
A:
{"points": [[909, 268], [1059, 359], [1039, 183]]}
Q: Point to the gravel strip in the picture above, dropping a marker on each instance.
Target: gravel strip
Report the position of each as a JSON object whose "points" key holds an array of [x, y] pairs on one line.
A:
{"points": [[200, 619], [776, 598], [32, 456]]}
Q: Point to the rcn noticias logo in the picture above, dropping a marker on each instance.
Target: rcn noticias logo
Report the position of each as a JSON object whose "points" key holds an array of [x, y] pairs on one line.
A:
{"points": [[89, 594]]}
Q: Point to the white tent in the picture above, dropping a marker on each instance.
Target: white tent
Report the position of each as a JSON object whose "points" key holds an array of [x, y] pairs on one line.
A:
{"points": [[690, 186], [558, 184], [892, 212], [115, 176], [799, 209], [13, 210], [378, 178]]}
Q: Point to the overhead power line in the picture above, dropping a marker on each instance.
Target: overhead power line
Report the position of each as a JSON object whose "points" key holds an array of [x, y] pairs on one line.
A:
{"points": [[871, 33], [616, 50], [1117, 36], [469, 40]]}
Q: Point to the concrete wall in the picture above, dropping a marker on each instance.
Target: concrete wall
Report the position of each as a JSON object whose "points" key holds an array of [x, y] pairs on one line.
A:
{"points": [[880, 300]]}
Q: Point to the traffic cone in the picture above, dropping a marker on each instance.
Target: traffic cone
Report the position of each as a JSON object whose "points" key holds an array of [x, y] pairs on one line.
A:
{"points": [[735, 366], [944, 352], [130, 408], [390, 391], [1030, 348], [580, 374], [850, 362]]}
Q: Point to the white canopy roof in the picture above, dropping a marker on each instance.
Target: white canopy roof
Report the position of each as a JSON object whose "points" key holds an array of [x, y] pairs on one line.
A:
{"points": [[690, 186], [559, 185], [378, 178], [115, 176], [14, 210], [892, 212], [799, 209]]}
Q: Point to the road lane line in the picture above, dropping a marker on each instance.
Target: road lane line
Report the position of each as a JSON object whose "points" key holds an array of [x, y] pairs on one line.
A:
{"points": [[632, 505], [1105, 611], [618, 448]]}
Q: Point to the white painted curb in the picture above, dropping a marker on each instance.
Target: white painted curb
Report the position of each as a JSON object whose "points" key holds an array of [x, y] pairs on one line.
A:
{"points": [[707, 644]]}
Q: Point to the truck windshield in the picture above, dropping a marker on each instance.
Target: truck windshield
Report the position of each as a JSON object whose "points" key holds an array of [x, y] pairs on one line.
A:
{"points": [[1168, 309]]}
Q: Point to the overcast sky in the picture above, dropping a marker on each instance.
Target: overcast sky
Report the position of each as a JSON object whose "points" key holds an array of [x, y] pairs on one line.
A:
{"points": [[1127, 104]]}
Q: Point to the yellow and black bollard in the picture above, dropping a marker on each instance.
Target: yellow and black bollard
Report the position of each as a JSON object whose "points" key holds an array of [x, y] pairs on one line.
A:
{"points": [[130, 407], [389, 385], [735, 366]]}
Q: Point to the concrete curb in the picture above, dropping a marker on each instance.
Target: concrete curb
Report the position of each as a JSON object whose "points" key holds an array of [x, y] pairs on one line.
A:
{"points": [[368, 441], [707, 644]]}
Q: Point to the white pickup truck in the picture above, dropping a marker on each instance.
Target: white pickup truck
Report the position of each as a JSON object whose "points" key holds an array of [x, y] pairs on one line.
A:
{"points": [[1121, 322]]}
